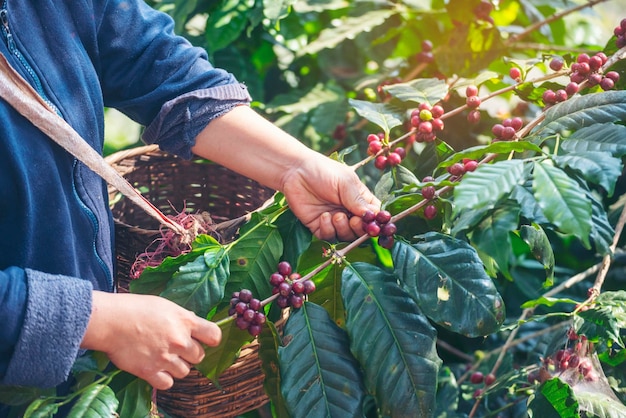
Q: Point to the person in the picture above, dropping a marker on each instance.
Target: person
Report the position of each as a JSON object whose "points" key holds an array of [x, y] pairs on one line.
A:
{"points": [[56, 258]]}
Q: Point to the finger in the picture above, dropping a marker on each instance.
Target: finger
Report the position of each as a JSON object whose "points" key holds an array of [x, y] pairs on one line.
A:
{"points": [[179, 368], [207, 333], [195, 352], [342, 227], [327, 229], [356, 224], [161, 380]]}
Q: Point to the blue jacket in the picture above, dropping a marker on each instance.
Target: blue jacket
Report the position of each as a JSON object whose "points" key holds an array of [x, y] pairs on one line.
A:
{"points": [[81, 56]]}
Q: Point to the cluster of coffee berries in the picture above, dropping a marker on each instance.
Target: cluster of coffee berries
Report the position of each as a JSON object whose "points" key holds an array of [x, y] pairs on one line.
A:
{"points": [[426, 54], [620, 34], [571, 363], [478, 378], [384, 156], [471, 97], [380, 225], [506, 130], [248, 311], [589, 68], [426, 120], [473, 103], [428, 193], [290, 289], [456, 170]]}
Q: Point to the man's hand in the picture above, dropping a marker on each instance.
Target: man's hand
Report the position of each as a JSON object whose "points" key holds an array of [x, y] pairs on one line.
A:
{"points": [[329, 198]]}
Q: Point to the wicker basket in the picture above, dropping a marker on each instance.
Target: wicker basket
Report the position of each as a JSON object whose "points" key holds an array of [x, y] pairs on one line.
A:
{"points": [[173, 184]]}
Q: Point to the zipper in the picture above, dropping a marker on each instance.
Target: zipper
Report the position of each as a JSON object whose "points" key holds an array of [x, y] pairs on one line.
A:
{"points": [[10, 42]]}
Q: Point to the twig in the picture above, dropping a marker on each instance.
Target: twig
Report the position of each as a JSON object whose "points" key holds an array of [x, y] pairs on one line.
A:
{"points": [[552, 18], [448, 347]]}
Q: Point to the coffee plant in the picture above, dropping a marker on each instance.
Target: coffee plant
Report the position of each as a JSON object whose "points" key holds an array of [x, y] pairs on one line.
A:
{"points": [[490, 282]]}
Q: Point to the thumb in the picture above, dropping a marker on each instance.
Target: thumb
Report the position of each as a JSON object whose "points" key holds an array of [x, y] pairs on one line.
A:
{"points": [[360, 199], [207, 332]]}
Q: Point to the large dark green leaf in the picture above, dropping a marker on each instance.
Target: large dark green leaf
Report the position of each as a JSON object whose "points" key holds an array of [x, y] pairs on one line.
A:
{"points": [[583, 111], [447, 279], [560, 199], [392, 340], [269, 341], [423, 90], [596, 167], [134, 395], [349, 28], [319, 375], [488, 184], [554, 399], [217, 359], [380, 114], [601, 137], [199, 285], [254, 258], [602, 231], [98, 401], [500, 147], [296, 237]]}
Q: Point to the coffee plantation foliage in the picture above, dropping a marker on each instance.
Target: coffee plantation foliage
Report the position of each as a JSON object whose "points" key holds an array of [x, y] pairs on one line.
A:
{"points": [[498, 291]]}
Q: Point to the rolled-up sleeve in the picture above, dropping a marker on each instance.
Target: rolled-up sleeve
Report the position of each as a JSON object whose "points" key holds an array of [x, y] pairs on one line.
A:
{"points": [[159, 79]]}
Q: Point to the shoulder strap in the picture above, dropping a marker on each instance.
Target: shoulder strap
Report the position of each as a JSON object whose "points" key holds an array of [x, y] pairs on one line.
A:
{"points": [[21, 96]]}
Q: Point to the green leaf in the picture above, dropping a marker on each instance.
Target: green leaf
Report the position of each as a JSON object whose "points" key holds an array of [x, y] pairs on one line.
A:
{"points": [[547, 301], [447, 393], [380, 114], [42, 408], [269, 341], [500, 147], [554, 399], [153, 280], [561, 200], [253, 258], [600, 324], [199, 285], [583, 111], [487, 185], [597, 404], [600, 137], [540, 248], [296, 237], [596, 167], [320, 377], [492, 235], [423, 90], [227, 23], [218, 359], [447, 279], [392, 340], [21, 395], [298, 102], [528, 204], [602, 231], [97, 401], [349, 28], [133, 394]]}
